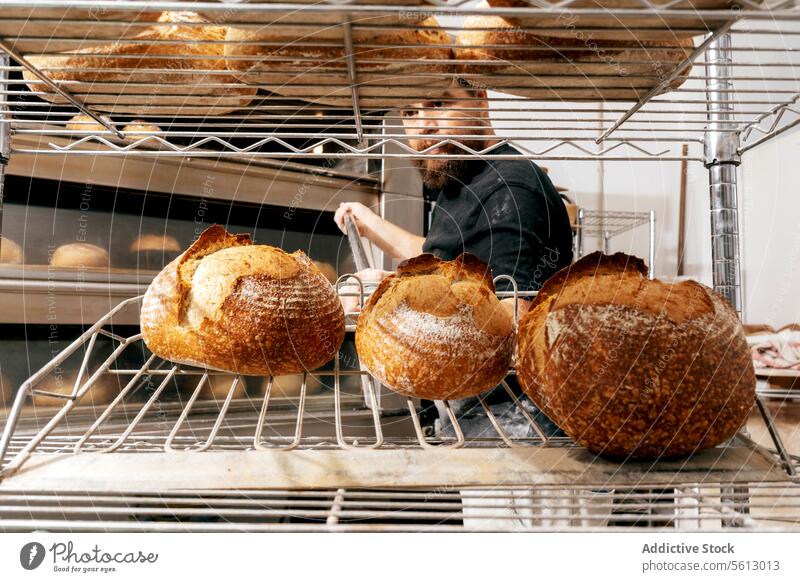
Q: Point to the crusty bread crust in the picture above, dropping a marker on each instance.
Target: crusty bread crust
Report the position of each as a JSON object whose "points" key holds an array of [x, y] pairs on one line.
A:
{"points": [[319, 74], [628, 366], [549, 67], [250, 309], [93, 73], [436, 330]]}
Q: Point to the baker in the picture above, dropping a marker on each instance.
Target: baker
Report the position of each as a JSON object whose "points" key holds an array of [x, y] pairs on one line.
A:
{"points": [[505, 211]]}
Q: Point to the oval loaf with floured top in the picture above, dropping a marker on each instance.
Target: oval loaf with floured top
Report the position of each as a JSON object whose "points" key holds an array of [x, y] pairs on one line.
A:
{"points": [[436, 330]]}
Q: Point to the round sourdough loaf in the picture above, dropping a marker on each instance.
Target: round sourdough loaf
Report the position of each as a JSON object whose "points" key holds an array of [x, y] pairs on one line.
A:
{"points": [[632, 367], [251, 309], [436, 330], [494, 53], [162, 70]]}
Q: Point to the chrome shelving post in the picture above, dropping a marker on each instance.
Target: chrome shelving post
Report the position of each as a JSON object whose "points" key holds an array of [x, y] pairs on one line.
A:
{"points": [[5, 129], [722, 159]]}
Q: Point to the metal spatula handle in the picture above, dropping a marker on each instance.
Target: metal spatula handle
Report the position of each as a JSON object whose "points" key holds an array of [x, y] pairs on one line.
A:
{"points": [[359, 255]]}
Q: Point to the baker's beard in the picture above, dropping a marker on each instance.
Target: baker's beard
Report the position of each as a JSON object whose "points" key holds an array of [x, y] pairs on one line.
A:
{"points": [[438, 173]]}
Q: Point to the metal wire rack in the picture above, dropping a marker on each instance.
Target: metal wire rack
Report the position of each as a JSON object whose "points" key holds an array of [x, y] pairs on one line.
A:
{"points": [[341, 462], [760, 99], [221, 465], [606, 224], [697, 507]]}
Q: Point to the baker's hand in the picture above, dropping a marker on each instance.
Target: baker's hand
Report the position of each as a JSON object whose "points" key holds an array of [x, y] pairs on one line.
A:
{"points": [[362, 216], [369, 278]]}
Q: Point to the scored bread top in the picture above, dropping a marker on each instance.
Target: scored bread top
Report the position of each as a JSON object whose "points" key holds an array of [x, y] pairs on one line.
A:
{"points": [[426, 284], [621, 279], [210, 270], [228, 304]]}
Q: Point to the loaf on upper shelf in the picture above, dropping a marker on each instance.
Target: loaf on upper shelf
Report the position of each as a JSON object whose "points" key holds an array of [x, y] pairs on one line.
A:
{"points": [[230, 305], [564, 69], [613, 25], [435, 329], [633, 367], [161, 81], [59, 29], [392, 67]]}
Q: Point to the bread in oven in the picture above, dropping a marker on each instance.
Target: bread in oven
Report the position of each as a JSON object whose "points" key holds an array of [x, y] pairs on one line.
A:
{"points": [[230, 305], [435, 329], [10, 252], [80, 255], [632, 367], [163, 81], [152, 251], [564, 68]]}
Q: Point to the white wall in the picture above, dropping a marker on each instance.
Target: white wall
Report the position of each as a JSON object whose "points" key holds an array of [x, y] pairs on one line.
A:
{"points": [[770, 202]]}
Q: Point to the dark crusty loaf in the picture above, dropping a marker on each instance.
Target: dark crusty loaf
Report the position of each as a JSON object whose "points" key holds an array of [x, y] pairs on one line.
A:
{"points": [[627, 366], [100, 77], [251, 309], [435, 329], [556, 68]]}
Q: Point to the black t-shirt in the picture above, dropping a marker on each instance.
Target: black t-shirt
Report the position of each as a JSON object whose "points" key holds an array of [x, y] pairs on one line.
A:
{"points": [[508, 213]]}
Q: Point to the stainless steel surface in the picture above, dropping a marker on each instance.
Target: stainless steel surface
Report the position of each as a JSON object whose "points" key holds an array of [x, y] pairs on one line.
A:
{"points": [[725, 264], [722, 159]]}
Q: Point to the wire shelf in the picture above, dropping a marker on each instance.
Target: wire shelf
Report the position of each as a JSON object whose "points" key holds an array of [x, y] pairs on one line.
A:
{"points": [[336, 106], [693, 507], [135, 432], [604, 223]]}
